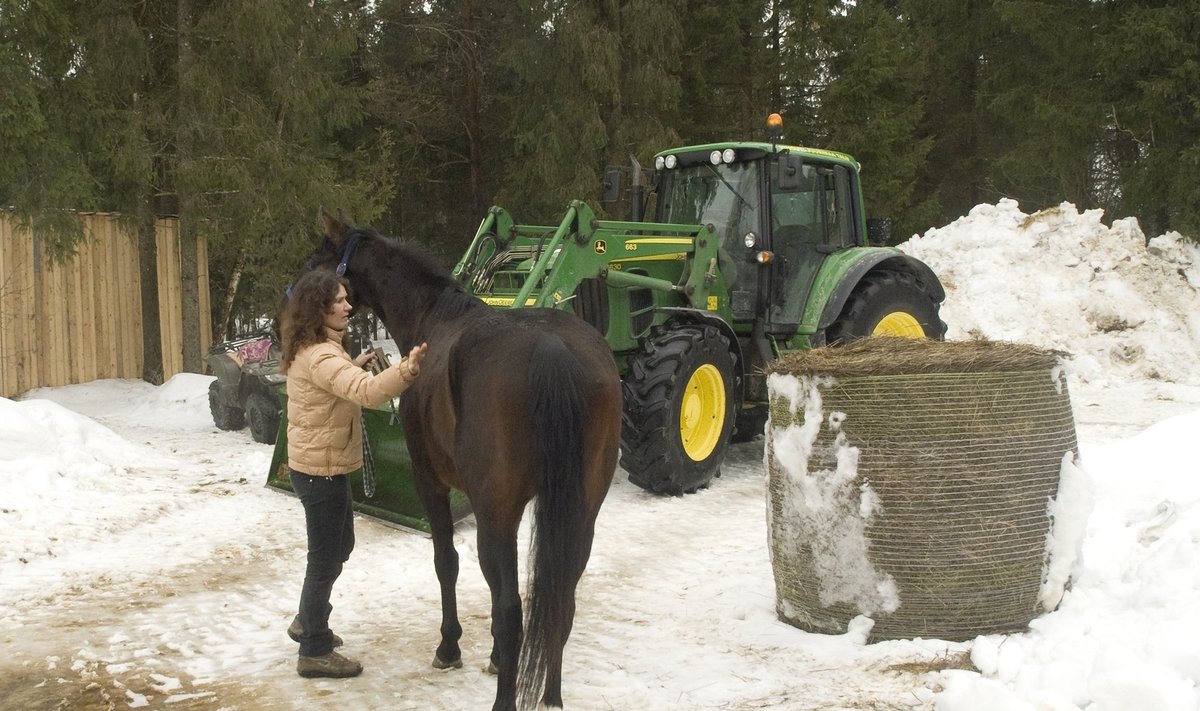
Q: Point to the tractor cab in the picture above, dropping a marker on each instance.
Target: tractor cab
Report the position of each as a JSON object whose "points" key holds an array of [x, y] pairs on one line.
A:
{"points": [[779, 211]]}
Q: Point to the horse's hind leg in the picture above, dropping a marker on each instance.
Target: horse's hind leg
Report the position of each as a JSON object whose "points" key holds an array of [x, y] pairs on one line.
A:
{"points": [[498, 560], [445, 562], [552, 694]]}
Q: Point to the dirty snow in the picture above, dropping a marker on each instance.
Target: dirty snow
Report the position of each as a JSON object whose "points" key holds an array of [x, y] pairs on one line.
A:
{"points": [[143, 564]]}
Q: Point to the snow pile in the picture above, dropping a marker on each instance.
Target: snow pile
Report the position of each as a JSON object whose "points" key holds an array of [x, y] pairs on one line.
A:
{"points": [[1124, 309], [1069, 511], [58, 469], [68, 478]]}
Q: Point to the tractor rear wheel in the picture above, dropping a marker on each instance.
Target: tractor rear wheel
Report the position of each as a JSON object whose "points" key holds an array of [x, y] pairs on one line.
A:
{"points": [[225, 416], [887, 304], [263, 414], [680, 398]]}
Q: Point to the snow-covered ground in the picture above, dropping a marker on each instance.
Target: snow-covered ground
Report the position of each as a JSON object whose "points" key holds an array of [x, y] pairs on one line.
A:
{"points": [[144, 564]]}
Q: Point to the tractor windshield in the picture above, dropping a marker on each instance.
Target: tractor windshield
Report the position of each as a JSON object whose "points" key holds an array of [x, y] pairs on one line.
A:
{"points": [[725, 196], [728, 197]]}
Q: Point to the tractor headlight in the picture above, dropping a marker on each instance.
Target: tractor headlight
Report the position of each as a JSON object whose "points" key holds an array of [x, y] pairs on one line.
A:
{"points": [[659, 162], [715, 157], [672, 161], [750, 240], [728, 155]]}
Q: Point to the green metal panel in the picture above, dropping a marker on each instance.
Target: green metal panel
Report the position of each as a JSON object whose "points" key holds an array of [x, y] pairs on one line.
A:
{"points": [[832, 272], [395, 500]]}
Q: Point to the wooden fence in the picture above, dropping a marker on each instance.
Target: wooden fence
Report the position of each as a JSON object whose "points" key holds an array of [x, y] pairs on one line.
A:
{"points": [[82, 320]]}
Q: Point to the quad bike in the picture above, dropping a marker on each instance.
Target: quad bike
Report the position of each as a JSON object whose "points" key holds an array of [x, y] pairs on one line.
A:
{"points": [[248, 385]]}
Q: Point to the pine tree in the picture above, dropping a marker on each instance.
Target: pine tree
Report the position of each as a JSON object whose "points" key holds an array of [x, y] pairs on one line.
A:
{"points": [[44, 174], [566, 69], [951, 39], [799, 49], [872, 109], [439, 84], [233, 116], [272, 110], [593, 84], [1151, 63], [643, 113], [1040, 99], [730, 77]]}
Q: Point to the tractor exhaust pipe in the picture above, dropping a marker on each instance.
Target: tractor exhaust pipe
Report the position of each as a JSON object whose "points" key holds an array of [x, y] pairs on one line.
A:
{"points": [[637, 193]]}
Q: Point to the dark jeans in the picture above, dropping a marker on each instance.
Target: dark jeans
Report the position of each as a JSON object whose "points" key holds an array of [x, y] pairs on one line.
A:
{"points": [[329, 515]]}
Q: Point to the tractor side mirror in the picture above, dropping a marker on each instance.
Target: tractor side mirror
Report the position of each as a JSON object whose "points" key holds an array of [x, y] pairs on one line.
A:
{"points": [[612, 185], [791, 172]]}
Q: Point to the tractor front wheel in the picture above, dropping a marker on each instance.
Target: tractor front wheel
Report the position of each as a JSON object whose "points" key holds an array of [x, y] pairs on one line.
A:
{"points": [[680, 398], [887, 304]]}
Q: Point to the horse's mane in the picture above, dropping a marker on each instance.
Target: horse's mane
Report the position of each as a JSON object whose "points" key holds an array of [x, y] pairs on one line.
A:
{"points": [[426, 262], [450, 298]]}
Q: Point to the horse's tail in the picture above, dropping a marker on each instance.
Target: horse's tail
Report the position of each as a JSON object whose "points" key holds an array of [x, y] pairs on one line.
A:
{"points": [[562, 528]]}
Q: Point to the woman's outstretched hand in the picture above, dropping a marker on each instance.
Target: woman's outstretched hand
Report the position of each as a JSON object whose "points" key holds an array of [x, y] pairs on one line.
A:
{"points": [[413, 361]]}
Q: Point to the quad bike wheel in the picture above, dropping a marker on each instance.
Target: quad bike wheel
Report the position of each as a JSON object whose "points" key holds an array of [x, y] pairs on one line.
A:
{"points": [[263, 415], [225, 416], [888, 304], [680, 398]]}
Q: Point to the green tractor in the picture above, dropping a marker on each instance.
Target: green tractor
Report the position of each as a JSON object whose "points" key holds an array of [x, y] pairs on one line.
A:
{"points": [[756, 249]]}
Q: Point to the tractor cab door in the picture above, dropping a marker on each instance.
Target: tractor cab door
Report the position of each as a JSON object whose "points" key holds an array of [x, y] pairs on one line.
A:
{"points": [[811, 216], [729, 197]]}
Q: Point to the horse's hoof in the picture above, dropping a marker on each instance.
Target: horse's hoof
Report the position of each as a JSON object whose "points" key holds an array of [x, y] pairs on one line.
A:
{"points": [[439, 664], [492, 669]]}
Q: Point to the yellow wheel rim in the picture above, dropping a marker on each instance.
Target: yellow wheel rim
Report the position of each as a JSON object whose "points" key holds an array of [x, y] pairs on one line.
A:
{"points": [[702, 415], [899, 323]]}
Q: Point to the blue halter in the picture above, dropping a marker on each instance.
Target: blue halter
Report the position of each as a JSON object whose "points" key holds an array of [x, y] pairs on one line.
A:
{"points": [[347, 252]]}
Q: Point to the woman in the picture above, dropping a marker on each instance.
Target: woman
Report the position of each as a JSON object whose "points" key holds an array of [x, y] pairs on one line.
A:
{"points": [[326, 392]]}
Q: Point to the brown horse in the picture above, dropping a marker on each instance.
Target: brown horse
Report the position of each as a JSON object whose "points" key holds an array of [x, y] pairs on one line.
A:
{"points": [[510, 405]]}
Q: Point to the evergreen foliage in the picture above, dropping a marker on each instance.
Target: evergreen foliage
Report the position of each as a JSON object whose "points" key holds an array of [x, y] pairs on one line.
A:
{"points": [[238, 117], [1040, 99], [727, 73], [873, 108], [44, 174], [243, 118], [951, 55], [1151, 62]]}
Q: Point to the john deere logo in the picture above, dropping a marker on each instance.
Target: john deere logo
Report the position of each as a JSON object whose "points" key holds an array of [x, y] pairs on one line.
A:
{"points": [[601, 246]]}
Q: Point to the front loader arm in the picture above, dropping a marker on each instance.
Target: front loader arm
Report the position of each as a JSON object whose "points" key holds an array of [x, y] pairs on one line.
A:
{"points": [[521, 266]]}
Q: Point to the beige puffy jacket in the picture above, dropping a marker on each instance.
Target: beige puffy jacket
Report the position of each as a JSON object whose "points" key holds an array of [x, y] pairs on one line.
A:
{"points": [[326, 394]]}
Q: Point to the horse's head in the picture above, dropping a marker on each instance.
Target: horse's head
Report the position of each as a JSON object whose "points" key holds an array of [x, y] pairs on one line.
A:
{"points": [[336, 253], [336, 248], [398, 281]]}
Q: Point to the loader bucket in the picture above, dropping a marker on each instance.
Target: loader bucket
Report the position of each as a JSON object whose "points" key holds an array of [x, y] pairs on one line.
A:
{"points": [[395, 501]]}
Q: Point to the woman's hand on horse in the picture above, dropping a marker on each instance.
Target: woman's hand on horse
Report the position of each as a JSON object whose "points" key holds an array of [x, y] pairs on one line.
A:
{"points": [[413, 361]]}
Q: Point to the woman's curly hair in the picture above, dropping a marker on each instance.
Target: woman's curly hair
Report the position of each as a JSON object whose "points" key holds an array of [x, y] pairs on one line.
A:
{"points": [[302, 320]]}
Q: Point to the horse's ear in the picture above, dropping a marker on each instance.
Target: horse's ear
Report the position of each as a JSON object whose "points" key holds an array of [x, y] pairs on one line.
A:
{"points": [[335, 227]]}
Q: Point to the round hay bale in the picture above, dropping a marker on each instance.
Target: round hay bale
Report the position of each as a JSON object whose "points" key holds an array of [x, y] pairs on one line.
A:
{"points": [[911, 481]]}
